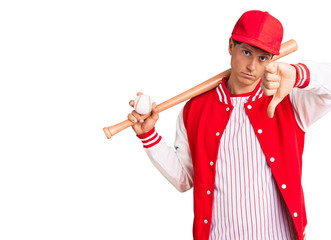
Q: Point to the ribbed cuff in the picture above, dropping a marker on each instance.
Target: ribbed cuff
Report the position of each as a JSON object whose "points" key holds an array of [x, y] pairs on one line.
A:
{"points": [[150, 138], [303, 75]]}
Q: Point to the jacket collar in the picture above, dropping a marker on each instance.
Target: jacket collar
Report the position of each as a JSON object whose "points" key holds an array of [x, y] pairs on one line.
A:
{"points": [[224, 95]]}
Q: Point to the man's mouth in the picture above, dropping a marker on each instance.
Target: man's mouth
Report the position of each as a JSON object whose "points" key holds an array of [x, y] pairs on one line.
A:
{"points": [[247, 75]]}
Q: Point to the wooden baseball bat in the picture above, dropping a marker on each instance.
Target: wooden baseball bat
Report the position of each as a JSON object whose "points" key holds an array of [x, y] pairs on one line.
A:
{"points": [[286, 48]]}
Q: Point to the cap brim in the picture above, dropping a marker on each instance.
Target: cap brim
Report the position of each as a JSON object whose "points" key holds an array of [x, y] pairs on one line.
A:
{"points": [[255, 43]]}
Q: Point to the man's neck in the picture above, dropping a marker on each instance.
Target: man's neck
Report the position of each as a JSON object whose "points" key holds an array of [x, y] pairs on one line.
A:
{"points": [[236, 88]]}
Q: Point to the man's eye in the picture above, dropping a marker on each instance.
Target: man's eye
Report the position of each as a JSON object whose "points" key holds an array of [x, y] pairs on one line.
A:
{"points": [[263, 58], [247, 53]]}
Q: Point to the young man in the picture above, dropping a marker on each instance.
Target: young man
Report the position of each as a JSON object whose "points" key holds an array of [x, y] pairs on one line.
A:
{"points": [[240, 145]]}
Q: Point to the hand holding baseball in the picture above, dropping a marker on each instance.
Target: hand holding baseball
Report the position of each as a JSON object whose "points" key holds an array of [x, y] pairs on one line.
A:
{"points": [[278, 81], [140, 125]]}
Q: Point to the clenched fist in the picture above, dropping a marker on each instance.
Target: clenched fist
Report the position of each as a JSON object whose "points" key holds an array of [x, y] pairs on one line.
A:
{"points": [[141, 126], [278, 81]]}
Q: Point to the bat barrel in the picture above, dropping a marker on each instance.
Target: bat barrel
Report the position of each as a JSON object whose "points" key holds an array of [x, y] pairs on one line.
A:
{"points": [[287, 47]]}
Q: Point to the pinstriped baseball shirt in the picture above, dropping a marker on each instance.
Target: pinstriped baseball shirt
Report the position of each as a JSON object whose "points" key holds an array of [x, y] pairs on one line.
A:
{"points": [[247, 202]]}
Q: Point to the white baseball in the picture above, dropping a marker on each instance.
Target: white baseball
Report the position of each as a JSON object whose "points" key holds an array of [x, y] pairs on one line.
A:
{"points": [[143, 104]]}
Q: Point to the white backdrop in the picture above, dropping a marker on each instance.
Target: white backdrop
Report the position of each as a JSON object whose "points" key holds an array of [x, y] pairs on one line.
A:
{"points": [[69, 68]]}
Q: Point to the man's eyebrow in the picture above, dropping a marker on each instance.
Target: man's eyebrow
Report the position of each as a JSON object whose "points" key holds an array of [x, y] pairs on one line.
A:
{"points": [[247, 48], [266, 54]]}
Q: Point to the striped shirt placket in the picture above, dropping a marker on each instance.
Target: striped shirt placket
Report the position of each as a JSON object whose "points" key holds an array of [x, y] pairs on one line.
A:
{"points": [[244, 177]]}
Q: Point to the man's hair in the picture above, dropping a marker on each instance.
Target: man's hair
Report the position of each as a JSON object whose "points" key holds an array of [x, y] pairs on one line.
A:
{"points": [[237, 43]]}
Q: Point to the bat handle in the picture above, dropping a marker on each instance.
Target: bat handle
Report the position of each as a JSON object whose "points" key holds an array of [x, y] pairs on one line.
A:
{"points": [[112, 130]]}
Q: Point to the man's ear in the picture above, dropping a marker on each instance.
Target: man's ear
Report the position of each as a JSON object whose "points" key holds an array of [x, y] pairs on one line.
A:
{"points": [[231, 46]]}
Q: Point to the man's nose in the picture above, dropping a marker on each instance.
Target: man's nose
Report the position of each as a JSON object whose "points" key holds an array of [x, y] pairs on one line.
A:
{"points": [[251, 65]]}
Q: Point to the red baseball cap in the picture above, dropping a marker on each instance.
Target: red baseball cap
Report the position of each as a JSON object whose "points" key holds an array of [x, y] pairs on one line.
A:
{"points": [[259, 29]]}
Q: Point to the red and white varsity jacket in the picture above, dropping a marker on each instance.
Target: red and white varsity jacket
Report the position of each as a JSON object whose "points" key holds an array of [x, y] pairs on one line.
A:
{"points": [[200, 126]]}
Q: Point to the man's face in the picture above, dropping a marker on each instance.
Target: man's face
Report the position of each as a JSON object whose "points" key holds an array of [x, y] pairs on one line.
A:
{"points": [[247, 63]]}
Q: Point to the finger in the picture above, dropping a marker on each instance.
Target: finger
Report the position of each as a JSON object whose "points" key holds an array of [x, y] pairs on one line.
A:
{"points": [[267, 91], [131, 103], [132, 118], [272, 106], [271, 77], [271, 68], [155, 108], [270, 85], [137, 116], [155, 112]]}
